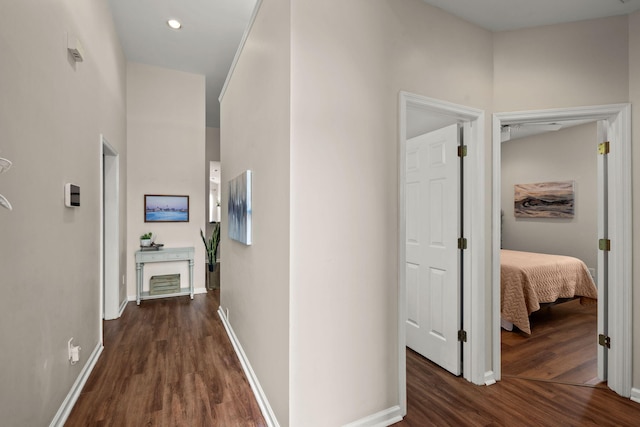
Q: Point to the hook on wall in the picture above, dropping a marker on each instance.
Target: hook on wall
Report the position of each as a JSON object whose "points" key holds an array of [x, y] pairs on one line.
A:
{"points": [[5, 164]]}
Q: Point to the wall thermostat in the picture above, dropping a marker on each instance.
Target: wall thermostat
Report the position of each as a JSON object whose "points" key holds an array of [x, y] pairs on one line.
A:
{"points": [[71, 195], [75, 48]]}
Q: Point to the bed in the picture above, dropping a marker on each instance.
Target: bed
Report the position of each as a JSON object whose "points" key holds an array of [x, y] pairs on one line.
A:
{"points": [[529, 279]]}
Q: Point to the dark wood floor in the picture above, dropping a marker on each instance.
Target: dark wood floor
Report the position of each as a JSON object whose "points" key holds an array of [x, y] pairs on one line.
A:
{"points": [[437, 398], [170, 363], [562, 346], [167, 363]]}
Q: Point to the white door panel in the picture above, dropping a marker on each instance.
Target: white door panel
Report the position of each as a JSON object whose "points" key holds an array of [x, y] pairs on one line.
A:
{"points": [[432, 271]]}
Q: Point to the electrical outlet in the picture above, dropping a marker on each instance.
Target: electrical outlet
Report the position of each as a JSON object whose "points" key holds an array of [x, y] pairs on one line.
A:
{"points": [[74, 352]]}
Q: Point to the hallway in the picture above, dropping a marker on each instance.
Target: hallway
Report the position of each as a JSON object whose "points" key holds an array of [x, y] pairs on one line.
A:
{"points": [[167, 362]]}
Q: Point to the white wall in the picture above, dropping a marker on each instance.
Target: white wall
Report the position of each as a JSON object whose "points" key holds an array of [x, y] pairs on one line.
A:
{"points": [[566, 155], [52, 112], [166, 148], [254, 280]]}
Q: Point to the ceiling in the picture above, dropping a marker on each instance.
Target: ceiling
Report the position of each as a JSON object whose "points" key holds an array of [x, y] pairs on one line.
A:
{"points": [[212, 29], [206, 44], [501, 15]]}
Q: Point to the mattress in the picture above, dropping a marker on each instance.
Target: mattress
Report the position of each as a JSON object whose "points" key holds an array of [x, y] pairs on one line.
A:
{"points": [[529, 279]]}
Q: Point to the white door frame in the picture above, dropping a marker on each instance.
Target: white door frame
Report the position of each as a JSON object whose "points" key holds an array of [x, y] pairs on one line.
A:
{"points": [[474, 260], [618, 117], [109, 231]]}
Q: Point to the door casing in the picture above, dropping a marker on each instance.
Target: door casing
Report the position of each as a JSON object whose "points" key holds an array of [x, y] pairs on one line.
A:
{"points": [[473, 302], [618, 120], [109, 231]]}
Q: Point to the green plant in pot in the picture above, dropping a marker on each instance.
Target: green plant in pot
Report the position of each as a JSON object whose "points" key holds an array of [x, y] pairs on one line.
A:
{"points": [[211, 245], [145, 239]]}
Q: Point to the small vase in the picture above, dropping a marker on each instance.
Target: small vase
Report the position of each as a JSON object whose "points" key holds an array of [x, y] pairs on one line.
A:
{"points": [[145, 242]]}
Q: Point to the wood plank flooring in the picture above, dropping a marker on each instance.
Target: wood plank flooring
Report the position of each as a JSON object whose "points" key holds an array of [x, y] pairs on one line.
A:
{"points": [[562, 346], [167, 362], [170, 363], [437, 398]]}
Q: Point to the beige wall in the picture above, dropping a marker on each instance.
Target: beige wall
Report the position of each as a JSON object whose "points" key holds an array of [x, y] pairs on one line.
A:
{"points": [[255, 135], [566, 155], [567, 65], [634, 98], [344, 197], [52, 112], [213, 144], [212, 153], [166, 146]]}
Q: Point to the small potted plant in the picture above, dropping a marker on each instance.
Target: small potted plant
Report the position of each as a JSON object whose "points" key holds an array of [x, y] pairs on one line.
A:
{"points": [[145, 239]]}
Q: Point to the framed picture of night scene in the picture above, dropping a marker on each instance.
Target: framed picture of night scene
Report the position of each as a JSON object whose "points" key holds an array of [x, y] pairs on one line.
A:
{"points": [[240, 208], [161, 208]]}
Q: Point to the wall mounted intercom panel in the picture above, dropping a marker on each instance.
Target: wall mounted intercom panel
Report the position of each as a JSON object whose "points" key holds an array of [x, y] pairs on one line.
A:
{"points": [[71, 195]]}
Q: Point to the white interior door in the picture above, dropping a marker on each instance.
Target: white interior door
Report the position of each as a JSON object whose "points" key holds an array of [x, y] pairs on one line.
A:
{"points": [[432, 270]]}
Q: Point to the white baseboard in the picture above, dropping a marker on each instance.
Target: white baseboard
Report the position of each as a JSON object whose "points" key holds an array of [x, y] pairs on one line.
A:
{"points": [[122, 307], [263, 402], [76, 388], [379, 419], [635, 394], [489, 378]]}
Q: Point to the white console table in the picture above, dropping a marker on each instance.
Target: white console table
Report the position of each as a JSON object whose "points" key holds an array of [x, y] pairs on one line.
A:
{"points": [[163, 255]]}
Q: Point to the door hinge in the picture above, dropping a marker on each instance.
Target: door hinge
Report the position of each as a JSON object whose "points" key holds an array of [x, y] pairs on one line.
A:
{"points": [[604, 244], [603, 148], [462, 335], [462, 243], [462, 150], [604, 340]]}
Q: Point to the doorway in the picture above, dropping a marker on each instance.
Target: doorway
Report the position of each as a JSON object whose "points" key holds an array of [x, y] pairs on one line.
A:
{"points": [[614, 225], [561, 345], [110, 232], [420, 115]]}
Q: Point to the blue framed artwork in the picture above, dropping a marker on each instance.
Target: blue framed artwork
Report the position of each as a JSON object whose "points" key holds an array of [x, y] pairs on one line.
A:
{"points": [[158, 208], [240, 208]]}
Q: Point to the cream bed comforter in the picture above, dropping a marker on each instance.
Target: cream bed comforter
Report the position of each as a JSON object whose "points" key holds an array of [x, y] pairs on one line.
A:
{"points": [[528, 279]]}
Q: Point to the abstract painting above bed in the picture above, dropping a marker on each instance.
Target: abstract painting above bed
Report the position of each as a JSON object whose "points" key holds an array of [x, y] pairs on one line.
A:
{"points": [[544, 200], [529, 279]]}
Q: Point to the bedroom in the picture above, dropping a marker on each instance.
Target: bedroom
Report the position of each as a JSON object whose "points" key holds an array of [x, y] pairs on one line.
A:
{"points": [[562, 346]]}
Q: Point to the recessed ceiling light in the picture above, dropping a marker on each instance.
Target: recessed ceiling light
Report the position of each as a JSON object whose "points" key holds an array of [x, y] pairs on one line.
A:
{"points": [[174, 23]]}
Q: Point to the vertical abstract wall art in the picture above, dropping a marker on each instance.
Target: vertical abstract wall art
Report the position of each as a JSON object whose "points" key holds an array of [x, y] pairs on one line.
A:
{"points": [[240, 208], [544, 200]]}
